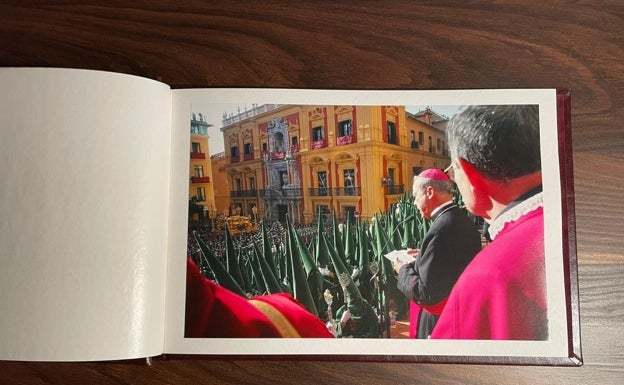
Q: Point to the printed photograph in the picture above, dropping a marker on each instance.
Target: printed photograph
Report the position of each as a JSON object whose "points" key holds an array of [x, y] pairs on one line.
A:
{"points": [[378, 222]]}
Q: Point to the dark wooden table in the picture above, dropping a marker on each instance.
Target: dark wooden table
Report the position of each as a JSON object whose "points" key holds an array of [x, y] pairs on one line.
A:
{"points": [[367, 44]]}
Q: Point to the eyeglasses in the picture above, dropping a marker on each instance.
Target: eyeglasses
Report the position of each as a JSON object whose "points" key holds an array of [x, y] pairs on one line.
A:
{"points": [[450, 171]]}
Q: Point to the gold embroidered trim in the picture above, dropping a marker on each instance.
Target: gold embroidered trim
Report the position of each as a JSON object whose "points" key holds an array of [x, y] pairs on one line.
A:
{"points": [[278, 319]]}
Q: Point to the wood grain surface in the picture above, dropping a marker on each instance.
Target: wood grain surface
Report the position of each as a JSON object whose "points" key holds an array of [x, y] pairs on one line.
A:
{"points": [[576, 45]]}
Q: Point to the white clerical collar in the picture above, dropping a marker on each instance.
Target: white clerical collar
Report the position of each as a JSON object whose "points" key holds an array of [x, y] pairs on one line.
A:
{"points": [[513, 214], [443, 205]]}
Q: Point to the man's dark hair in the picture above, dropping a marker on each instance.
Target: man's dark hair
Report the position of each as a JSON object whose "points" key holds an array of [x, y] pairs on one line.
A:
{"points": [[502, 142]]}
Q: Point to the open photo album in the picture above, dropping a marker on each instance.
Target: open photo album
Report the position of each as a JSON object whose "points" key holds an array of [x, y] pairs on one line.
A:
{"points": [[142, 221]]}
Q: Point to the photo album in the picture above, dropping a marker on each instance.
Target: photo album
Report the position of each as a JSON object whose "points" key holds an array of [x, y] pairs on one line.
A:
{"points": [[146, 222]]}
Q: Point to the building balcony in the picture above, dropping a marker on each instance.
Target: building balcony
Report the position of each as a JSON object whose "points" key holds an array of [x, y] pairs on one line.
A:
{"points": [[318, 144], [320, 192], [199, 129], [394, 189], [278, 155], [243, 193], [291, 192], [288, 192], [234, 159], [200, 179], [248, 157], [347, 191], [344, 140], [198, 155]]}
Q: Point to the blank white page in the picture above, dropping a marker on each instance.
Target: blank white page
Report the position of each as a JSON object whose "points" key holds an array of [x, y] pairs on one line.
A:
{"points": [[84, 172]]}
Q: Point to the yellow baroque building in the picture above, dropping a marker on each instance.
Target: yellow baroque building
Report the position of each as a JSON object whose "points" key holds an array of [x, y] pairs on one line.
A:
{"points": [[220, 183], [352, 160]]}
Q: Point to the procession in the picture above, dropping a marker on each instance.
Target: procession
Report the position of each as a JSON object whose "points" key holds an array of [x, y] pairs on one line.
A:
{"points": [[340, 275]]}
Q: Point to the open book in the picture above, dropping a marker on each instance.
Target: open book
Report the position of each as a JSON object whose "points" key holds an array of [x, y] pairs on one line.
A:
{"points": [[94, 208], [401, 256]]}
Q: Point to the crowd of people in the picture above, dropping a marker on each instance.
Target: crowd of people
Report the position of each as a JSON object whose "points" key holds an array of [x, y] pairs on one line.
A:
{"points": [[216, 239]]}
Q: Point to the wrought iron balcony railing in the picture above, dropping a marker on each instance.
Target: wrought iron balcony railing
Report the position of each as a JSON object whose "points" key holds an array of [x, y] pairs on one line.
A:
{"points": [[347, 191], [243, 193], [200, 179], [320, 192], [289, 192], [395, 189]]}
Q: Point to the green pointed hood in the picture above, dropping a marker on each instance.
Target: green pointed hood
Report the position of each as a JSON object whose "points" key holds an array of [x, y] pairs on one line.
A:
{"points": [[245, 269], [313, 276], [393, 232], [363, 317], [338, 242], [231, 259], [257, 278], [298, 244], [222, 277], [299, 283], [321, 255], [266, 248], [349, 243], [270, 281], [381, 248], [287, 278], [363, 242], [408, 240], [353, 297]]}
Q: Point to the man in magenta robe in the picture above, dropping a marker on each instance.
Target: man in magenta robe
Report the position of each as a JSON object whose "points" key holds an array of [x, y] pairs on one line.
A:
{"points": [[213, 311], [496, 163]]}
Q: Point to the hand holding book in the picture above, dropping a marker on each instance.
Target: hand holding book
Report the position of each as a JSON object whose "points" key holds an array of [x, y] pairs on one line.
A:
{"points": [[402, 257]]}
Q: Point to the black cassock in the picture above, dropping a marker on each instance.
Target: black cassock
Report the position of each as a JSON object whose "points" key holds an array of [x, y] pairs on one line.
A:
{"points": [[447, 248]]}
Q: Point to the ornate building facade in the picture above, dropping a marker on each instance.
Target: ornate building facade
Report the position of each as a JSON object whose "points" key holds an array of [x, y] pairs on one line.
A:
{"points": [[353, 160], [220, 183], [200, 170]]}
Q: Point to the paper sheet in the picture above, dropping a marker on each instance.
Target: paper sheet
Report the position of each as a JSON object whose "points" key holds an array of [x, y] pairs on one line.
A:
{"points": [[401, 256], [83, 202]]}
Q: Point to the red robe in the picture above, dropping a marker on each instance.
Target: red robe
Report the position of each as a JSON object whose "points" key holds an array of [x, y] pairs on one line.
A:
{"points": [[502, 293], [213, 311]]}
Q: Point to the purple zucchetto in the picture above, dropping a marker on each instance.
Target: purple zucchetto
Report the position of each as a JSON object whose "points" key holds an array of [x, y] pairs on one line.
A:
{"points": [[434, 173]]}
